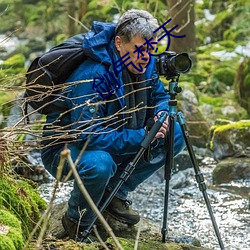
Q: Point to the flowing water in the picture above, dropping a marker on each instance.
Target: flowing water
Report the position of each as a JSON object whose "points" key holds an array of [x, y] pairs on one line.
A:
{"points": [[187, 212]]}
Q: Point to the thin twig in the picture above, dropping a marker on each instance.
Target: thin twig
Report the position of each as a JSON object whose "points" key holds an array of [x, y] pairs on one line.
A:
{"points": [[77, 21], [66, 154], [100, 238], [137, 236]]}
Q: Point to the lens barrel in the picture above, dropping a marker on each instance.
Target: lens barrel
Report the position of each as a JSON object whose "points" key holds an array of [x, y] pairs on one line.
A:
{"points": [[171, 64]]}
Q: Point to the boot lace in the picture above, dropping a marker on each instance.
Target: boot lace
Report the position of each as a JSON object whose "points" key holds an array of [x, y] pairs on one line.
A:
{"points": [[127, 203]]}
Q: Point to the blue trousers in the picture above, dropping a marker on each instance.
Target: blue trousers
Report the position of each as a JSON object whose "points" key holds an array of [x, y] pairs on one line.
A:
{"points": [[100, 170]]}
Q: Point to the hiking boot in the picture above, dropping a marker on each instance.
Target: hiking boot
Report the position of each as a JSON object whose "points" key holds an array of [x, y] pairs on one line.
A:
{"points": [[75, 231], [121, 211]]}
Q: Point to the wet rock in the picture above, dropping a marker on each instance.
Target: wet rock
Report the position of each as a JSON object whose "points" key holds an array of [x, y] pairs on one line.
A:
{"points": [[231, 169], [197, 125], [181, 179], [232, 139]]}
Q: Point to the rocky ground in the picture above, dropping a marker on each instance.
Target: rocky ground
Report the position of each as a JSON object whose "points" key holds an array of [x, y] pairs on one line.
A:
{"points": [[149, 236]]}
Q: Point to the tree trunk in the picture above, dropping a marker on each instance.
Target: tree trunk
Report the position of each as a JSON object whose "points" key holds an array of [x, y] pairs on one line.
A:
{"points": [[182, 14], [71, 6], [83, 7]]}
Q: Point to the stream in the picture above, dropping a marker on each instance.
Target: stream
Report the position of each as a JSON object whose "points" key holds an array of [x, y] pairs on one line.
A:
{"points": [[187, 212]]}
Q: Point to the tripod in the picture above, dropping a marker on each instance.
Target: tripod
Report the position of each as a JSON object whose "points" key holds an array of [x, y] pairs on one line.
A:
{"points": [[169, 163], [173, 90], [129, 169]]}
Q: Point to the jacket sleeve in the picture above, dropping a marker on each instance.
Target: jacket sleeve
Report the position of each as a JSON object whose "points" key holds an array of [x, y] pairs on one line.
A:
{"points": [[88, 122]]}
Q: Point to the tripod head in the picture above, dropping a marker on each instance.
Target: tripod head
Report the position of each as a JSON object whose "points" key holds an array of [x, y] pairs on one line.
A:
{"points": [[174, 89]]}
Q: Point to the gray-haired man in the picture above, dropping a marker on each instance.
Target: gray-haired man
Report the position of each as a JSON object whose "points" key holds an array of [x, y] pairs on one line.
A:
{"points": [[124, 93]]}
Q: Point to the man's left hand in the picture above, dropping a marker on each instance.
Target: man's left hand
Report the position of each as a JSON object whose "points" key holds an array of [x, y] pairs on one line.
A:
{"points": [[164, 128]]}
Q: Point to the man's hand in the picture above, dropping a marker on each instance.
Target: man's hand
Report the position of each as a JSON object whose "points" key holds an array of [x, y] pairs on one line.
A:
{"points": [[164, 128]]}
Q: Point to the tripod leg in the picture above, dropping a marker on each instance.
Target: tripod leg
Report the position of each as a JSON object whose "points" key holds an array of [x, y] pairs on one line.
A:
{"points": [[168, 173], [199, 177], [129, 168]]}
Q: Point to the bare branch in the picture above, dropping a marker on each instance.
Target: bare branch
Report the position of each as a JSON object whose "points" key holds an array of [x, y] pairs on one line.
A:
{"points": [[66, 154]]}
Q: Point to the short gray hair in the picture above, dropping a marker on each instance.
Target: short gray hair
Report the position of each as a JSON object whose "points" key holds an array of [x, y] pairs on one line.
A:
{"points": [[134, 22]]}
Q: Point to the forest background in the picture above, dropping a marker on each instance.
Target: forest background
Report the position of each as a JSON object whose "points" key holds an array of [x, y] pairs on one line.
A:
{"points": [[217, 39]]}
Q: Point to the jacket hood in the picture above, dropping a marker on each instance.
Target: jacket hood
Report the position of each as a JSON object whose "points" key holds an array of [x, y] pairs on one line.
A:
{"points": [[98, 42]]}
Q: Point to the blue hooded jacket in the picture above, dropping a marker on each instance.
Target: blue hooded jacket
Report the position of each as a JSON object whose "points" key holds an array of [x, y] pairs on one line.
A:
{"points": [[88, 118]]}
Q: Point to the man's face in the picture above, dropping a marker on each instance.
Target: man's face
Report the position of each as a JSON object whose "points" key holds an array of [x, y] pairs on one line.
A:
{"points": [[136, 58]]}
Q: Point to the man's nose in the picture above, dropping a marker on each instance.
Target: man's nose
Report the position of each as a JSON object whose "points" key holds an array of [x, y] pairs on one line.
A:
{"points": [[145, 56]]}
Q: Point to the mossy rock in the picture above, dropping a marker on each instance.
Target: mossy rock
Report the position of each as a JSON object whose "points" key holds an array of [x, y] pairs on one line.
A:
{"points": [[231, 169], [10, 231], [232, 139], [22, 200]]}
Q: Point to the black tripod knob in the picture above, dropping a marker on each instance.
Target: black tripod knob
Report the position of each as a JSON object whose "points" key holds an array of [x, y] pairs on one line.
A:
{"points": [[177, 89]]}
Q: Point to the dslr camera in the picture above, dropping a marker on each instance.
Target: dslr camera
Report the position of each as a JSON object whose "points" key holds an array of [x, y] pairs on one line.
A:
{"points": [[172, 65]]}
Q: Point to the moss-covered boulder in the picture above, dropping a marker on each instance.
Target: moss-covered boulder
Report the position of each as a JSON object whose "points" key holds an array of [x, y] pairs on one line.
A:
{"points": [[231, 169], [232, 139], [22, 200], [11, 237], [242, 84]]}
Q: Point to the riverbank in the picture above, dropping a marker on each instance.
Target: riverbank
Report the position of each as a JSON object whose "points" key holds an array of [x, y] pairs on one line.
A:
{"points": [[188, 215]]}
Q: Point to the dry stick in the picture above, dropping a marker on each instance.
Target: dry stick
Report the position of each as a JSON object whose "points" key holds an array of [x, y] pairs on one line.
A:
{"points": [[66, 154], [99, 238], [137, 236], [45, 217]]}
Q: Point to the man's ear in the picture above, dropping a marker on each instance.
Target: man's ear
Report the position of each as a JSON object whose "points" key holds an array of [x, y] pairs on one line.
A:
{"points": [[118, 43]]}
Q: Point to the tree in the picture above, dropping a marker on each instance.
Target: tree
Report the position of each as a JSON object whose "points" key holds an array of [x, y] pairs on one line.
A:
{"points": [[182, 14]]}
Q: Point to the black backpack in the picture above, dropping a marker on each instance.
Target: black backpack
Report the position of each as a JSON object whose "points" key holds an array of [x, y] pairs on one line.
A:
{"points": [[48, 73]]}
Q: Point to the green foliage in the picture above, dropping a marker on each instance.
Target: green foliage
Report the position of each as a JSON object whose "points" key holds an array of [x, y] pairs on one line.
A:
{"points": [[224, 75], [12, 67], [16, 61]]}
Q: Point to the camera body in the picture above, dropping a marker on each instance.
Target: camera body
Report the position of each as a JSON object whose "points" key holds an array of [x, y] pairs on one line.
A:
{"points": [[172, 65]]}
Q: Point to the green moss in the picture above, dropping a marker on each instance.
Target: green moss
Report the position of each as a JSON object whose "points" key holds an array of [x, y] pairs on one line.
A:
{"points": [[214, 101], [14, 234], [9, 219], [16, 237], [128, 244], [22, 200], [220, 131], [235, 125], [6, 243]]}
